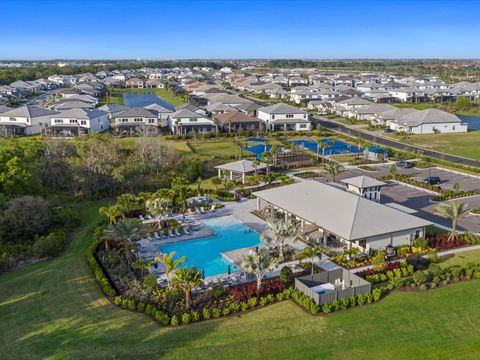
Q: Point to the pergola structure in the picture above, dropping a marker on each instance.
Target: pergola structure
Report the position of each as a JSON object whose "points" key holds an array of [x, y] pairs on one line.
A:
{"points": [[238, 169]]}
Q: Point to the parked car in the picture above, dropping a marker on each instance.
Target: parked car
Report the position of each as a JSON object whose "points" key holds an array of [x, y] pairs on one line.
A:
{"points": [[387, 130], [432, 180], [405, 164]]}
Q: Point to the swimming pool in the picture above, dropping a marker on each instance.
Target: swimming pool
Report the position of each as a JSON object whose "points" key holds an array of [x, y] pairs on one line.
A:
{"points": [[205, 254]]}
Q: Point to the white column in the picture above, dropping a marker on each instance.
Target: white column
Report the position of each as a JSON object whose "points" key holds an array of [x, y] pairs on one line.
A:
{"points": [[219, 173], [258, 204], [231, 175], [243, 178]]}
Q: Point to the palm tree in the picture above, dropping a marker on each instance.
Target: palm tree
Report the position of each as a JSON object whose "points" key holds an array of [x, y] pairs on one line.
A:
{"points": [[258, 264], [280, 232], [455, 211], [111, 213], [142, 265], [187, 279], [215, 182], [199, 186], [274, 150], [125, 230], [255, 164], [323, 146], [171, 265], [179, 191], [330, 144], [334, 168], [310, 252]]}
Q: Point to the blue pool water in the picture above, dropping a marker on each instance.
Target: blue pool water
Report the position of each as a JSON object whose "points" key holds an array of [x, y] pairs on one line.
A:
{"points": [[205, 254]]}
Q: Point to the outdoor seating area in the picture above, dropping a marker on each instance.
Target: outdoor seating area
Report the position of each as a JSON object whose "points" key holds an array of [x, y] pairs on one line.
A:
{"points": [[327, 286]]}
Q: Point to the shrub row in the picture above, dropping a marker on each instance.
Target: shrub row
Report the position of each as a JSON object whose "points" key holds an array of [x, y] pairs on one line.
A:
{"points": [[400, 272], [205, 313], [407, 179], [441, 241], [451, 194], [100, 276], [435, 275], [245, 291]]}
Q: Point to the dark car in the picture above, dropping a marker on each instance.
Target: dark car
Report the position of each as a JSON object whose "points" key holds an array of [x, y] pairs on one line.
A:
{"points": [[405, 164], [432, 180]]}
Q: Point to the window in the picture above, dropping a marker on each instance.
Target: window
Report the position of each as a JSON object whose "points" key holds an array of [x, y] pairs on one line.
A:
{"points": [[303, 126], [58, 121], [13, 119], [83, 122], [273, 117], [151, 121], [73, 121], [192, 120], [289, 116], [363, 243]]}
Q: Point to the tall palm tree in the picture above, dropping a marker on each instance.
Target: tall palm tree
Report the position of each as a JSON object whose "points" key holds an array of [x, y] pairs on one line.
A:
{"points": [[455, 211], [334, 168], [142, 265], [125, 230], [323, 146], [171, 265], [255, 164], [274, 150], [111, 213], [179, 192], [199, 186], [187, 279], [258, 264], [310, 252], [330, 144], [280, 232]]}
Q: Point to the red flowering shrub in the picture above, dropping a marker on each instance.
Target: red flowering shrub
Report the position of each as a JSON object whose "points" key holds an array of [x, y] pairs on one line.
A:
{"points": [[389, 266], [441, 242], [246, 291]]}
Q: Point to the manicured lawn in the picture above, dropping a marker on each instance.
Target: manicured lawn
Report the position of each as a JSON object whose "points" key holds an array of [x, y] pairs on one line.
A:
{"points": [[460, 258], [55, 310], [466, 144], [223, 149]]}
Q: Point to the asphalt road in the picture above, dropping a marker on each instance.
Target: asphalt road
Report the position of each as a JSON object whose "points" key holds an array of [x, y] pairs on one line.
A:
{"points": [[394, 144]]}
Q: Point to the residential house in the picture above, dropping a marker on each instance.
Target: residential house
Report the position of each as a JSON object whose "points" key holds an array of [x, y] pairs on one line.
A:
{"points": [[237, 121], [429, 121], [183, 122], [76, 122], [284, 117], [135, 83], [133, 120], [25, 120]]}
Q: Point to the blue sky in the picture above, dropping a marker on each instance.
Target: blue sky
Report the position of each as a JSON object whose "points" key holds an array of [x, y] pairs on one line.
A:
{"points": [[239, 29]]}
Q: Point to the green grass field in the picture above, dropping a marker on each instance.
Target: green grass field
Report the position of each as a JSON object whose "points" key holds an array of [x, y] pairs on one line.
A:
{"points": [[465, 144], [460, 258], [55, 310]]}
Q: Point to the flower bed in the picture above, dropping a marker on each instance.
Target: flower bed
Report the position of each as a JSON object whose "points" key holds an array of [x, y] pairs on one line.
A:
{"points": [[441, 241], [452, 194], [368, 168], [308, 175], [349, 264], [390, 272]]}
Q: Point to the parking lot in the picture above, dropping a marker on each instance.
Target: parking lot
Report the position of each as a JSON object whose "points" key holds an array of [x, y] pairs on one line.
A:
{"points": [[448, 178], [419, 200]]}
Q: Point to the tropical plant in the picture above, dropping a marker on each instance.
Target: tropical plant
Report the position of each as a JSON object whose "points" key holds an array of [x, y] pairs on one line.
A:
{"points": [[179, 193], [199, 186], [259, 264], [280, 231], [187, 279], [334, 169], [143, 266], [125, 230], [171, 264], [310, 253], [112, 213], [157, 208], [393, 169], [454, 211]]}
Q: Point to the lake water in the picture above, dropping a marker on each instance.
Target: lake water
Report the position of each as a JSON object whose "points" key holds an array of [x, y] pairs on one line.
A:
{"points": [[473, 121], [141, 99]]}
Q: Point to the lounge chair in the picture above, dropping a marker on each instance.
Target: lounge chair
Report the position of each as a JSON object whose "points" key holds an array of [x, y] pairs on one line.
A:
{"points": [[202, 209], [141, 218], [177, 232], [170, 233], [197, 211], [212, 208], [162, 233], [156, 235], [185, 230]]}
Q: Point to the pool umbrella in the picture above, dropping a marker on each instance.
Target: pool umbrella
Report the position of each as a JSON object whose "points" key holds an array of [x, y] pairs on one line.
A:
{"points": [[229, 270], [203, 274]]}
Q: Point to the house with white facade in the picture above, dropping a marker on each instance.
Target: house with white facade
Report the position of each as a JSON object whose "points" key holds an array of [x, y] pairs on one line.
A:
{"points": [[284, 117], [185, 122], [429, 121], [25, 120], [132, 120], [77, 122]]}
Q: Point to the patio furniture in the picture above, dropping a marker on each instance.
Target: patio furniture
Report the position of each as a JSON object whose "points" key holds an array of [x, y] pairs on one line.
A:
{"points": [[141, 218], [162, 233], [177, 232], [155, 234], [212, 208], [202, 209], [170, 233], [185, 230]]}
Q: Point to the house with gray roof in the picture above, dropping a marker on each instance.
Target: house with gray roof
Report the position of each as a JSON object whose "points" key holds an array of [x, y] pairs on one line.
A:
{"points": [[162, 112], [112, 109], [24, 120], [133, 120], [75, 122], [284, 117], [429, 121], [340, 215], [184, 122]]}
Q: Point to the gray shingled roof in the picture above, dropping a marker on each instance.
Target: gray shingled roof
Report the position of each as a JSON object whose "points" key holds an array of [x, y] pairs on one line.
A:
{"points": [[340, 212], [157, 108], [186, 114], [83, 114], [281, 108], [29, 111], [429, 116], [136, 112]]}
